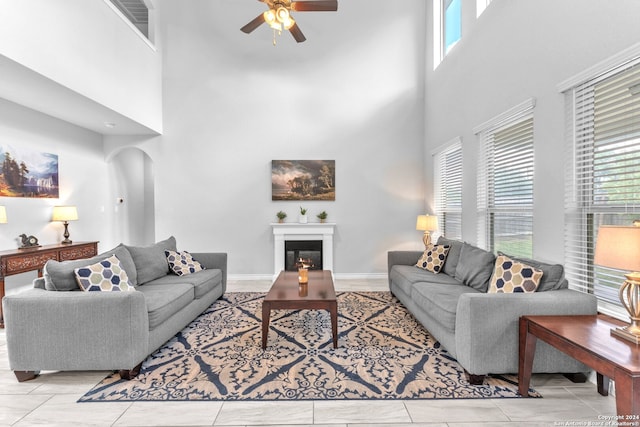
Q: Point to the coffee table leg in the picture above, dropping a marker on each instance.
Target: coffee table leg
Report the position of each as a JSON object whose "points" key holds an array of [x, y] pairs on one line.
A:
{"points": [[333, 310], [603, 384], [266, 314], [527, 349], [627, 392]]}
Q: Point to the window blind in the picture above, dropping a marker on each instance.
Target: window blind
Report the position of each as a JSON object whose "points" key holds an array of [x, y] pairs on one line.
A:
{"points": [[505, 185], [448, 189], [603, 175]]}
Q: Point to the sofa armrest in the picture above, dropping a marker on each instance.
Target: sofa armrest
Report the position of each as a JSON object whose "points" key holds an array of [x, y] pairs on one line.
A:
{"points": [[49, 330], [213, 260], [486, 330], [402, 258]]}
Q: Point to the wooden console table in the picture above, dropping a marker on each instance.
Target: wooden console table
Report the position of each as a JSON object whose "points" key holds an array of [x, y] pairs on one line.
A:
{"points": [[22, 260], [587, 339]]}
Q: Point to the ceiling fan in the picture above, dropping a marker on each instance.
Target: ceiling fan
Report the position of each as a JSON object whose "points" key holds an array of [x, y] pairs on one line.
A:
{"points": [[279, 15]]}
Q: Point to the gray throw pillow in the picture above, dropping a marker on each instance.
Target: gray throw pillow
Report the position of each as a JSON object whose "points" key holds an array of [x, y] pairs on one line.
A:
{"points": [[451, 263], [552, 277], [60, 275], [151, 262], [475, 267]]}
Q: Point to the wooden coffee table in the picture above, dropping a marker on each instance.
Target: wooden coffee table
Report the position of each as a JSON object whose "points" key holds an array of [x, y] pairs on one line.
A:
{"points": [[588, 339], [287, 294]]}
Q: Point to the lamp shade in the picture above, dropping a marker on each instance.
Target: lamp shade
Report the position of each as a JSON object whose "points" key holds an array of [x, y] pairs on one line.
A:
{"points": [[64, 213], [3, 215], [427, 223], [618, 247]]}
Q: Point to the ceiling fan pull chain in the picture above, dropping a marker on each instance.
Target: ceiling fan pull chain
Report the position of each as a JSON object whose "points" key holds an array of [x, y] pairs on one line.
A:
{"points": [[274, 37]]}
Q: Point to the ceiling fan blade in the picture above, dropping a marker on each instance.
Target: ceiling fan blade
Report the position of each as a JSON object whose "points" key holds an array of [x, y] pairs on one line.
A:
{"points": [[315, 6], [253, 24], [297, 33]]}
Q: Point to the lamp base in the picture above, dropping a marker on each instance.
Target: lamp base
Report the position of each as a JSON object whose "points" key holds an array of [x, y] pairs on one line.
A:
{"points": [[66, 234], [625, 335], [426, 239]]}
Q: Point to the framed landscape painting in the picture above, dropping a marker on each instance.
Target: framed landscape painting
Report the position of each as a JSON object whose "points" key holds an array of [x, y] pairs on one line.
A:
{"points": [[303, 180], [28, 173]]}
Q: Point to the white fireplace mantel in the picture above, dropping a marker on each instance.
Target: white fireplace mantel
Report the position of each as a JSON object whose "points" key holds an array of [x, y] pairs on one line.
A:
{"points": [[297, 231]]}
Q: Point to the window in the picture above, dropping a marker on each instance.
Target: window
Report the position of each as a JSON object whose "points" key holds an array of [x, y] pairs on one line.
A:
{"points": [[505, 183], [481, 5], [603, 181], [447, 27], [448, 189], [451, 24]]}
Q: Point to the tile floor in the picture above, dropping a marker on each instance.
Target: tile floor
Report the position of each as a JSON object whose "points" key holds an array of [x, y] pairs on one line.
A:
{"points": [[51, 400]]}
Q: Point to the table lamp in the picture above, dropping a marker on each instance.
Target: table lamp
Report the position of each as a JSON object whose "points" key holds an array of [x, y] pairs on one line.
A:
{"points": [[65, 214], [3, 215], [428, 223], [619, 247]]}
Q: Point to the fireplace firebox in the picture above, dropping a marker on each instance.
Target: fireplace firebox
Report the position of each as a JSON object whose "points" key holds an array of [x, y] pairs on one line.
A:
{"points": [[307, 252]]}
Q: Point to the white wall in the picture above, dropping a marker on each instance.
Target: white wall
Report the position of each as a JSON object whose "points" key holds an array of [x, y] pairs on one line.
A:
{"points": [[83, 182], [233, 103], [86, 47], [516, 50]]}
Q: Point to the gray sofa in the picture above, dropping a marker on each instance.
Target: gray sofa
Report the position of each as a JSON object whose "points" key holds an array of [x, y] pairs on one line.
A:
{"points": [[56, 326], [477, 328]]}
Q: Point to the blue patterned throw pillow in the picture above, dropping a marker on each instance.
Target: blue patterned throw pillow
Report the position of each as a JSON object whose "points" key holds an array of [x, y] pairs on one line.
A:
{"points": [[433, 258], [182, 263], [510, 276], [106, 275]]}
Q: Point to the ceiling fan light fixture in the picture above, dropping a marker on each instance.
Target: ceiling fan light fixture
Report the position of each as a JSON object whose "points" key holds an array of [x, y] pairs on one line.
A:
{"points": [[290, 22], [279, 18], [269, 16], [282, 14]]}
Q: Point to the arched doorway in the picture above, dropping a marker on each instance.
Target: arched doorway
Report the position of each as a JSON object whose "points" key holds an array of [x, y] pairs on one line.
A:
{"points": [[132, 178]]}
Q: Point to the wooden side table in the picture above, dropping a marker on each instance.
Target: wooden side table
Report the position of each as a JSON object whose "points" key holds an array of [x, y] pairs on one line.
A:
{"points": [[18, 261], [587, 339]]}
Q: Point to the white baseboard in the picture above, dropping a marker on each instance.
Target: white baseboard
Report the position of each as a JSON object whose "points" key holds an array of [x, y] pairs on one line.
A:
{"points": [[337, 276], [360, 276], [248, 277]]}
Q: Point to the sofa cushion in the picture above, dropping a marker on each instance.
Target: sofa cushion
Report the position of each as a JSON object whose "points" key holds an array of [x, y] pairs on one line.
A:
{"points": [[440, 301], [552, 277], [510, 276], [126, 261], [60, 275], [404, 276], [450, 264], [106, 275], [202, 281], [475, 267], [182, 263], [151, 261], [165, 301], [433, 258]]}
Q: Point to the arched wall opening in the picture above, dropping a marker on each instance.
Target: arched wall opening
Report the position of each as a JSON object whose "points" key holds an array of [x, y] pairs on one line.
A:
{"points": [[133, 187]]}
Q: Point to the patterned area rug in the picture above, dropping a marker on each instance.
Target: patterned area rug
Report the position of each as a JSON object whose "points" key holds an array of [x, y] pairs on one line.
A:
{"points": [[383, 353]]}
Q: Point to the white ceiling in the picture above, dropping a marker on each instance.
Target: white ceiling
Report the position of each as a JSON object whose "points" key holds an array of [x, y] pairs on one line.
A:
{"points": [[23, 86], [356, 22]]}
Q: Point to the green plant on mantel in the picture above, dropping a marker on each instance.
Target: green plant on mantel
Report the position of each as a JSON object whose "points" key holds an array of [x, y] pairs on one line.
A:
{"points": [[303, 211], [281, 216], [322, 216]]}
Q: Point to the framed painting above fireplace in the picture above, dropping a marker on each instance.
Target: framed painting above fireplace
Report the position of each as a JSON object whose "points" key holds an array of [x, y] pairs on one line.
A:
{"points": [[303, 180]]}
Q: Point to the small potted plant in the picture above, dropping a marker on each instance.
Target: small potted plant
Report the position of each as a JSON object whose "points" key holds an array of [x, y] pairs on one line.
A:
{"points": [[322, 216], [281, 216], [303, 215]]}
